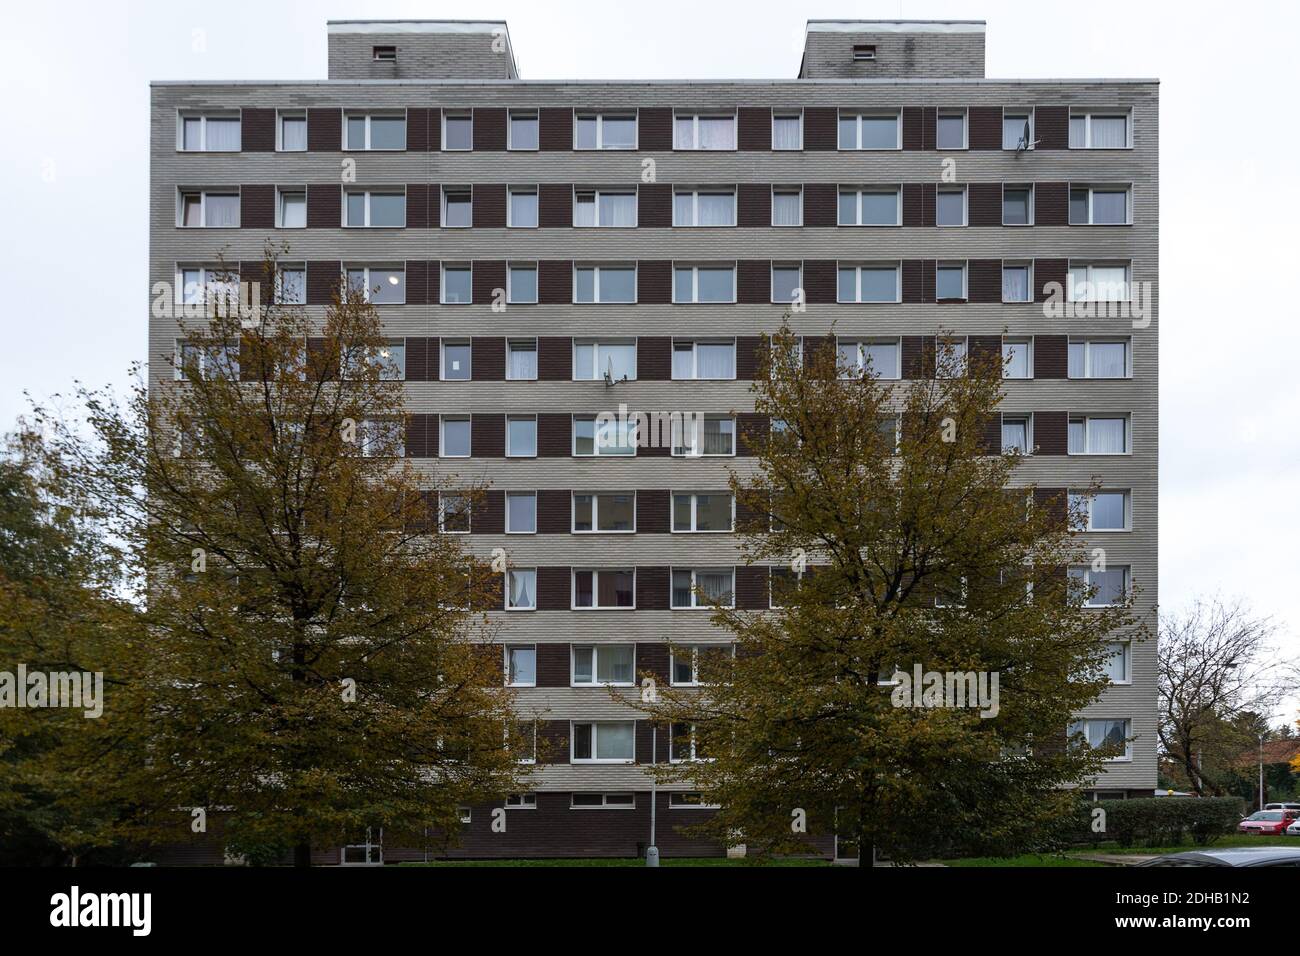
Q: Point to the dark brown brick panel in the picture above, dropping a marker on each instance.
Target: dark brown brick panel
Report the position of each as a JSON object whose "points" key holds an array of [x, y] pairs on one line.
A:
{"points": [[257, 130], [489, 128], [654, 205], [555, 128], [489, 201], [324, 206], [655, 129], [488, 436], [1051, 432], [1051, 356], [324, 130], [755, 128], [257, 206], [651, 511], [554, 591]]}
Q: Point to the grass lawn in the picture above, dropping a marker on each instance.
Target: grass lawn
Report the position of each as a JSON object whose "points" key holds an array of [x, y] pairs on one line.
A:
{"points": [[625, 861], [1027, 860], [1222, 843]]}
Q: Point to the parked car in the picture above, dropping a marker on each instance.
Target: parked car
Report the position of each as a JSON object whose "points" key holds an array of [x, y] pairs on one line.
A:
{"points": [[1294, 829], [1268, 822], [1232, 856], [1282, 806]]}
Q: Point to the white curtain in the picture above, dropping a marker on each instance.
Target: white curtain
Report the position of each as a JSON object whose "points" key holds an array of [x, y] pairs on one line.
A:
{"points": [[1015, 284], [717, 132], [684, 132], [522, 588], [716, 209], [1015, 358], [615, 741], [715, 361], [1109, 359], [618, 209], [1106, 436], [523, 362], [223, 134], [618, 360], [1078, 438], [221, 211], [1015, 436], [584, 211], [883, 356], [785, 132], [714, 586], [293, 134], [786, 209], [1109, 132], [614, 664]]}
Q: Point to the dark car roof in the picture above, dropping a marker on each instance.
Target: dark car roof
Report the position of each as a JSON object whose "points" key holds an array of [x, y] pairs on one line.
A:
{"points": [[1231, 856]]}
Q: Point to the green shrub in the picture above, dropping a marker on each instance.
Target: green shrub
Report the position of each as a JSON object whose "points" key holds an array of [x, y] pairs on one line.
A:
{"points": [[1158, 821]]}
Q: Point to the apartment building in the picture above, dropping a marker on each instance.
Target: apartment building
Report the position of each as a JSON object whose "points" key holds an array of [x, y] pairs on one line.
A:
{"points": [[546, 251]]}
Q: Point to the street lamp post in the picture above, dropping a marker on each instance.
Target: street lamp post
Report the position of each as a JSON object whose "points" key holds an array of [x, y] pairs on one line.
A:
{"points": [[1261, 771], [652, 851]]}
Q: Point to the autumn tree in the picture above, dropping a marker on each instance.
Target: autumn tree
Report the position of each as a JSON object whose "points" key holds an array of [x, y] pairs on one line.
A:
{"points": [[897, 535], [312, 658]]}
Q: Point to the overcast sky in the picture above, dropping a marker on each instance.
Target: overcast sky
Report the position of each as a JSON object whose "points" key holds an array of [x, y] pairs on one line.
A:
{"points": [[74, 178]]}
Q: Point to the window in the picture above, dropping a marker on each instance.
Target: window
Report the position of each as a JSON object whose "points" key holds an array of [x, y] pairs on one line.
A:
{"points": [[375, 209], [881, 356], [457, 360], [604, 284], [209, 134], [950, 206], [605, 512], [690, 801], [1109, 735], [703, 587], [950, 357], [787, 130], [1101, 206], [1017, 358], [291, 132], [1092, 435], [291, 208], [787, 206], [388, 362], [457, 131], [604, 664], [868, 283], [521, 590], [684, 669], [703, 512], [871, 207], [595, 436], [521, 801], [1017, 129], [208, 210], [1108, 588], [950, 281], [702, 131], [380, 285], [1017, 282], [682, 744], [603, 741], [1099, 358], [208, 284], [291, 285], [454, 438], [521, 436], [864, 51], [869, 131], [521, 512], [604, 131], [704, 359], [465, 814], [457, 284], [612, 208], [787, 281], [453, 513], [522, 131], [704, 207], [521, 210], [521, 665], [1097, 282], [607, 801], [1017, 205], [384, 54], [209, 362], [374, 131], [1099, 511], [950, 129], [705, 283], [380, 438], [594, 359], [1099, 130], [703, 435], [457, 207], [783, 582], [1116, 666], [521, 285], [521, 360], [1017, 434]]}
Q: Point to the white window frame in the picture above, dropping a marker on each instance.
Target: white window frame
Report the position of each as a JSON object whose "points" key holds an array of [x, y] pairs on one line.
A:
{"points": [[1125, 653], [443, 342], [595, 590], [695, 599], [1025, 112], [857, 192], [367, 193], [596, 345], [1089, 264], [178, 364], [596, 446], [513, 114], [520, 494], [210, 279], [951, 264], [510, 285], [693, 758], [523, 801], [694, 496], [695, 668], [1093, 188], [771, 280], [695, 268], [1028, 419], [859, 341], [368, 287], [442, 512], [442, 435], [443, 268], [521, 418], [1087, 435], [698, 449], [1085, 572], [203, 194], [695, 344], [460, 115], [368, 116], [510, 572], [1033, 195], [278, 291], [695, 116], [1082, 723], [597, 193], [858, 267], [520, 339], [1028, 342], [595, 512], [694, 193], [1089, 498], [203, 119], [280, 117], [949, 112], [600, 117], [595, 665], [1086, 342], [505, 657], [965, 207], [1028, 265], [458, 190], [785, 114], [875, 114], [605, 796], [280, 193], [786, 189], [596, 284], [1088, 114]]}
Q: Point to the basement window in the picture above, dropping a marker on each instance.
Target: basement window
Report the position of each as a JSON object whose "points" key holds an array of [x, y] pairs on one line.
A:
{"points": [[864, 51], [384, 54]]}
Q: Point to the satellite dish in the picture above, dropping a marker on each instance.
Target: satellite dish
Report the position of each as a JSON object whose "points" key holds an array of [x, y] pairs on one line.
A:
{"points": [[1025, 142], [609, 373]]}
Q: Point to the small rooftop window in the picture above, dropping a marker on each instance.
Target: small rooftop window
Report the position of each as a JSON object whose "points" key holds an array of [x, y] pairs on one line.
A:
{"points": [[864, 51], [386, 54]]}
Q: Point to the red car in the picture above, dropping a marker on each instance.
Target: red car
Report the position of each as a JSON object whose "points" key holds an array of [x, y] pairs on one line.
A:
{"points": [[1268, 822]]}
